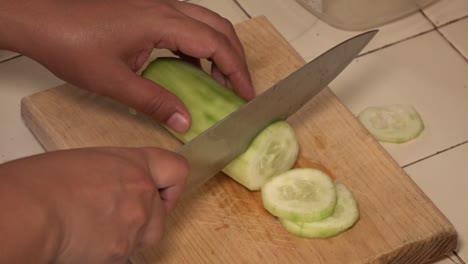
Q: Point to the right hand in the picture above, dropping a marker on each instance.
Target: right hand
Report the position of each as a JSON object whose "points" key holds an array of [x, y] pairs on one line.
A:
{"points": [[105, 202]]}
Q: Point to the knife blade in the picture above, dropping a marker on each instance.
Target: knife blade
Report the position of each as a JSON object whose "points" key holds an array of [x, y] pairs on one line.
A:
{"points": [[212, 150]]}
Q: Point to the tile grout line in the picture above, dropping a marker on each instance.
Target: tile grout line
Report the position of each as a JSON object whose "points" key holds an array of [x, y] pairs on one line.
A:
{"points": [[435, 154], [452, 45], [459, 258], [405, 39], [11, 58], [242, 8], [449, 22], [435, 28], [427, 18], [397, 42], [444, 37], [449, 256], [466, 59]]}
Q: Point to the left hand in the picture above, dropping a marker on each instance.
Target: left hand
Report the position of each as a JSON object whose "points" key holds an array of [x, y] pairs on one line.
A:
{"points": [[99, 45]]}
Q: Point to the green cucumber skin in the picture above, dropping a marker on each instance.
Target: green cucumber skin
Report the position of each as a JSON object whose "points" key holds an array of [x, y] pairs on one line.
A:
{"points": [[208, 103], [207, 100]]}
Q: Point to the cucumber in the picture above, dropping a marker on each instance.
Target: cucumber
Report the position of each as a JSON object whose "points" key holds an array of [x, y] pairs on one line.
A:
{"points": [[272, 152], [392, 123], [345, 215], [300, 195]]}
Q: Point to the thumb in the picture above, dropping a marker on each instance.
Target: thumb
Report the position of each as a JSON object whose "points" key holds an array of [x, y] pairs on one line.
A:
{"points": [[151, 99]]}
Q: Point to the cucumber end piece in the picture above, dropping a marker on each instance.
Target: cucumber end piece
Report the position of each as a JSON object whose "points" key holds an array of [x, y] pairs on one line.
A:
{"points": [[271, 153]]}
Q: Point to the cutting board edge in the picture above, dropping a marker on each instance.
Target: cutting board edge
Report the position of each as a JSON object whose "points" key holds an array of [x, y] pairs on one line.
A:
{"points": [[393, 161], [448, 237], [444, 241], [432, 247], [31, 121]]}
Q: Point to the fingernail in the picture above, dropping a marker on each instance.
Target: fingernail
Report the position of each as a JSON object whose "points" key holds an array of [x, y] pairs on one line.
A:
{"points": [[178, 122]]}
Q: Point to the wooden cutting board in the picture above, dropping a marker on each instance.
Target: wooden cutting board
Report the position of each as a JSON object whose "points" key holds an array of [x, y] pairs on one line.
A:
{"points": [[225, 223]]}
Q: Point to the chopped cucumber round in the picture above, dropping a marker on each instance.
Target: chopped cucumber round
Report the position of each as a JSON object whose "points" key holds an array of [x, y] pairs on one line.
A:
{"points": [[272, 152], [346, 214], [300, 195], [393, 123]]}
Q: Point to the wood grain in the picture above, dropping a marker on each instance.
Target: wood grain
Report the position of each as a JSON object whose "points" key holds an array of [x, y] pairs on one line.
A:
{"points": [[225, 223]]}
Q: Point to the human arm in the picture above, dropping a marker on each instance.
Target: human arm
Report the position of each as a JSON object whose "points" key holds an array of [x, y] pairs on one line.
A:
{"points": [[99, 45]]}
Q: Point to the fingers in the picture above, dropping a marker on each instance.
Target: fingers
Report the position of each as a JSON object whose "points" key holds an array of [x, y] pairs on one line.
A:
{"points": [[170, 172], [196, 39], [189, 59], [213, 20], [218, 76], [147, 97], [156, 226], [146, 215]]}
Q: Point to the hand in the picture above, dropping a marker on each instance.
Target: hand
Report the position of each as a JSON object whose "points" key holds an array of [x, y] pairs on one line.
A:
{"points": [[89, 206], [99, 45]]}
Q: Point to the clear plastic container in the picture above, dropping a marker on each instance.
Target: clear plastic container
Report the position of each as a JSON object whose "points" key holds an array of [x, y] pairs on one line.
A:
{"points": [[362, 14]]}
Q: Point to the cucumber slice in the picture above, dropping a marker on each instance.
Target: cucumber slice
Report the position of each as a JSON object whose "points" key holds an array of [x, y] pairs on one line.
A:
{"points": [[393, 123], [271, 153], [300, 195], [346, 214]]}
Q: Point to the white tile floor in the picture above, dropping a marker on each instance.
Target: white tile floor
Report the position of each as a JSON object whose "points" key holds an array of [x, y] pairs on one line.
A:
{"points": [[310, 36], [444, 179], [452, 33], [226, 8], [400, 75], [414, 67], [18, 78], [445, 11]]}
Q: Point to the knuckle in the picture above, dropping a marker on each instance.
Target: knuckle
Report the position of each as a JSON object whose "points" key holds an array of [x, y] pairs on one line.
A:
{"points": [[227, 25], [145, 185], [119, 250], [152, 239], [163, 8], [155, 231], [136, 217], [221, 41], [155, 107]]}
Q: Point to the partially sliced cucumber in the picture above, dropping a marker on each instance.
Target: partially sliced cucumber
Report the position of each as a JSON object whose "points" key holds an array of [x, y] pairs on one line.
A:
{"points": [[346, 214], [272, 152], [300, 195], [393, 123]]}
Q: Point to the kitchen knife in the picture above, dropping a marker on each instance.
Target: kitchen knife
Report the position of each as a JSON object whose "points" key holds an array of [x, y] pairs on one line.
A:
{"points": [[212, 150]]}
